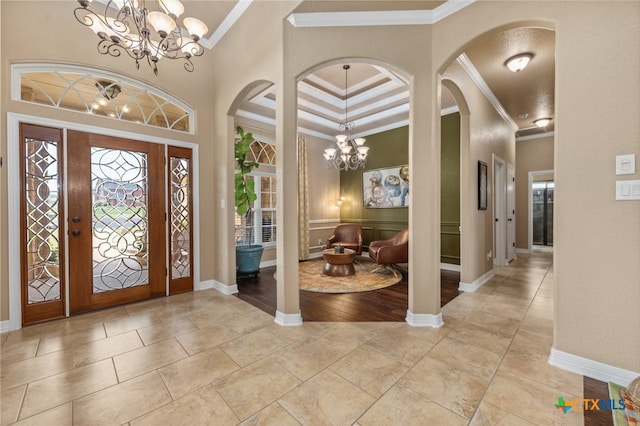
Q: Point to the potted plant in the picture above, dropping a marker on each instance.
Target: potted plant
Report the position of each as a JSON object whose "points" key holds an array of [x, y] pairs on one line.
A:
{"points": [[247, 255]]}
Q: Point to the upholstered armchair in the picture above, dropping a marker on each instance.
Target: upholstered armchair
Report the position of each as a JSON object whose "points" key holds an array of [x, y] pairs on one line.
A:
{"points": [[348, 235], [391, 251]]}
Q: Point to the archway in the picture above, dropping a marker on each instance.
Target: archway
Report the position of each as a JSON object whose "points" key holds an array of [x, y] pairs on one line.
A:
{"points": [[464, 217], [376, 98], [491, 132], [237, 115]]}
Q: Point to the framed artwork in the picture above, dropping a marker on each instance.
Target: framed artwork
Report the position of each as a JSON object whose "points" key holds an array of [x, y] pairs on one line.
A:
{"points": [[386, 188], [482, 185]]}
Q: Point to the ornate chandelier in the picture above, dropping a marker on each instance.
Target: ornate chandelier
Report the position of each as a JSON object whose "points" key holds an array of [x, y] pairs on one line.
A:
{"points": [[123, 26], [351, 152]]}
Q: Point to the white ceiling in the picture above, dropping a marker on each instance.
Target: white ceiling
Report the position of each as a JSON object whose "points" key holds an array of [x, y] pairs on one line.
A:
{"points": [[378, 99]]}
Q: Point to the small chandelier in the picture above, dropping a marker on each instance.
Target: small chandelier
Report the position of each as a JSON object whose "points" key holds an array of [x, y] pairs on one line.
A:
{"points": [[123, 26], [351, 152]]}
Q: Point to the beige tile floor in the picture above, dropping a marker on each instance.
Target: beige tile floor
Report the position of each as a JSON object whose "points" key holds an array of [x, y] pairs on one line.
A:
{"points": [[206, 358]]}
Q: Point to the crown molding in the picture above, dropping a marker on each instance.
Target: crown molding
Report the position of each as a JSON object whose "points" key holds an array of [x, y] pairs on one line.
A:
{"points": [[472, 71], [226, 24], [449, 110], [538, 136], [377, 18]]}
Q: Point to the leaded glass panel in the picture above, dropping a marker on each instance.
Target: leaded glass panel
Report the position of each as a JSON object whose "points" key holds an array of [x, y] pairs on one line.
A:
{"points": [[180, 218], [119, 182], [42, 205]]}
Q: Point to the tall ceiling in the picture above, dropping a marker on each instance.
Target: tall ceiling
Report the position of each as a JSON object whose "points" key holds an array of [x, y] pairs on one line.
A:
{"points": [[376, 98]]}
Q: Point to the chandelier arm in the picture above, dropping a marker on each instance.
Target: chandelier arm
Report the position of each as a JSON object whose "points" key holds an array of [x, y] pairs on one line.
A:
{"points": [[128, 30], [188, 65]]}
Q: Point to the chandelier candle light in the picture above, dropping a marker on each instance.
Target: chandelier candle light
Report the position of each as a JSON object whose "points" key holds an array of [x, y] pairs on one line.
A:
{"points": [[123, 26], [351, 152]]}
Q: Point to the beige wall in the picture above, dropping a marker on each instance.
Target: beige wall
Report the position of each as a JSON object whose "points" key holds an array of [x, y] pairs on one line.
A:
{"points": [[596, 266], [531, 155], [303, 53], [324, 192], [250, 53], [489, 135], [77, 45]]}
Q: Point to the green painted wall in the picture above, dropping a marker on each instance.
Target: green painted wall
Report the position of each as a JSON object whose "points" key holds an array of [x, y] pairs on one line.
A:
{"points": [[390, 149], [450, 189], [386, 149]]}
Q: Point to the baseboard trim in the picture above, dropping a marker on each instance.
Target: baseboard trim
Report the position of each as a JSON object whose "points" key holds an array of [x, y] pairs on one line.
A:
{"points": [[288, 320], [424, 320], [594, 369], [204, 285], [477, 283], [5, 326], [222, 288], [450, 267], [268, 263], [523, 250]]}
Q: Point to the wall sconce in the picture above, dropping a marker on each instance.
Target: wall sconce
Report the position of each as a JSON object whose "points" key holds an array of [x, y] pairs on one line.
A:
{"points": [[340, 200]]}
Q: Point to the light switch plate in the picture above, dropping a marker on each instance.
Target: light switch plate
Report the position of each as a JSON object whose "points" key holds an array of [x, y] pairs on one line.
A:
{"points": [[628, 190], [625, 164]]}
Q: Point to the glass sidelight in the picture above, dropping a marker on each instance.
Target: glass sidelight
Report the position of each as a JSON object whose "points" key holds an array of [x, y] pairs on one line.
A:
{"points": [[41, 226], [181, 221]]}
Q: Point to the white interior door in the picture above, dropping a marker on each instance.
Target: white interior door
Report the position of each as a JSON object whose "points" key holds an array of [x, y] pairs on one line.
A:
{"points": [[511, 213], [499, 212]]}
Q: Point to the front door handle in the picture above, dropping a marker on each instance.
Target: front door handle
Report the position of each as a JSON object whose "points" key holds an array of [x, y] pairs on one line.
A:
{"points": [[75, 232]]}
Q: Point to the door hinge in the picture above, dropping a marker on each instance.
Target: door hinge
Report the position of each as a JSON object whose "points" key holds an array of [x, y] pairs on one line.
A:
{"points": [[166, 272]]}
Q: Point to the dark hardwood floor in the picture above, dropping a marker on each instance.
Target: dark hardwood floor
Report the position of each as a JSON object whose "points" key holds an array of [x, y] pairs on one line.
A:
{"points": [[595, 389], [387, 304]]}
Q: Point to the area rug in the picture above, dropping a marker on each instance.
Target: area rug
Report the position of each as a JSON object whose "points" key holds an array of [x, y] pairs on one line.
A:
{"points": [[312, 279]]}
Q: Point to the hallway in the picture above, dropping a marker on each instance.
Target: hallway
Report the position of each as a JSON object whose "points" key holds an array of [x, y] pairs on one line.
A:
{"points": [[206, 358]]}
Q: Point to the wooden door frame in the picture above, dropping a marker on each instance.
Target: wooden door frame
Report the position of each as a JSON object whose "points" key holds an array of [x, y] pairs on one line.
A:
{"points": [[82, 297], [179, 285], [45, 310], [13, 195]]}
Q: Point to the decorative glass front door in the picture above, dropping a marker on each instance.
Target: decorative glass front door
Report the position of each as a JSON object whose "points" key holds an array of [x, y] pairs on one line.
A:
{"points": [[116, 221], [115, 226]]}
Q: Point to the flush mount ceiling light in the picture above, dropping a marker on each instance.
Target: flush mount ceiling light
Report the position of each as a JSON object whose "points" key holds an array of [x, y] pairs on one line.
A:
{"points": [[350, 153], [128, 26], [542, 122], [519, 62]]}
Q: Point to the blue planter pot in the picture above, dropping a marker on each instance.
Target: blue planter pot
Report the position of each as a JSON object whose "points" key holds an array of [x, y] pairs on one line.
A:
{"points": [[248, 258]]}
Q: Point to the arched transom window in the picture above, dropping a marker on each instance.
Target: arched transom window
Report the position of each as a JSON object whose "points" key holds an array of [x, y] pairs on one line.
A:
{"points": [[98, 92], [262, 152]]}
